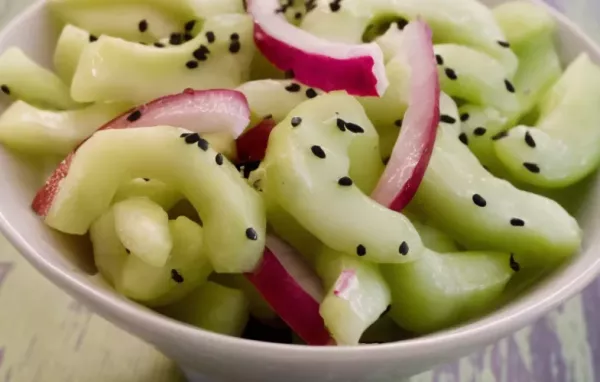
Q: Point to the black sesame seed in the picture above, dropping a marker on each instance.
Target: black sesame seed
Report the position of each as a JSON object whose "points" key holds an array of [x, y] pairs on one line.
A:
{"points": [[335, 6], [187, 37], [464, 117], [296, 121], [516, 222], [268, 116], [345, 181], [361, 250], [479, 200], [203, 144], [219, 159], [189, 26], [341, 124], [504, 44], [447, 119], [175, 39], [192, 138], [200, 53], [532, 167], [251, 234], [318, 151], [146, 179], [451, 74], [128, 251], [5, 89], [159, 45], [234, 37], [439, 59], [513, 263], [398, 123], [235, 46], [463, 138], [500, 135], [192, 64], [354, 128], [479, 131], [298, 15], [509, 86], [176, 276], [293, 87], [143, 26], [529, 140], [134, 116], [93, 38], [289, 74], [210, 37], [311, 93], [403, 249]]}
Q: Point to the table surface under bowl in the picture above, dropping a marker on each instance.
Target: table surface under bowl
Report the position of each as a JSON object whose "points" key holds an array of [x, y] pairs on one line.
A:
{"points": [[45, 336]]}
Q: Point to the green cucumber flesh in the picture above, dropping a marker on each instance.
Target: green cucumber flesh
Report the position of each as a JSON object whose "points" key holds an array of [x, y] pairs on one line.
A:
{"points": [[563, 148], [433, 238], [465, 22], [230, 209], [25, 80], [34, 131], [259, 307], [215, 308], [357, 295], [133, 72], [71, 43], [304, 170], [441, 290], [483, 212], [476, 78], [143, 228], [155, 190], [110, 255]]}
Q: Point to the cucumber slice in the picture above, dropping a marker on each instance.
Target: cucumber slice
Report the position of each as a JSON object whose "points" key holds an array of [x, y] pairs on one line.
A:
{"points": [[232, 212], [465, 22], [26, 128], [275, 98], [524, 23], [389, 41], [483, 212], [563, 149], [139, 73], [110, 255], [143, 228], [215, 308], [441, 290], [70, 45], [155, 190], [23, 79], [475, 77], [358, 295], [259, 307], [433, 238], [307, 165]]}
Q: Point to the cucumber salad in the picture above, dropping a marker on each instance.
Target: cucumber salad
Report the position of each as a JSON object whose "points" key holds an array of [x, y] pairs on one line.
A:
{"points": [[321, 172]]}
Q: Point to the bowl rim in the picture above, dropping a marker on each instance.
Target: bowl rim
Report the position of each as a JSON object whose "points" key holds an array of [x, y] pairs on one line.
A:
{"points": [[478, 332]]}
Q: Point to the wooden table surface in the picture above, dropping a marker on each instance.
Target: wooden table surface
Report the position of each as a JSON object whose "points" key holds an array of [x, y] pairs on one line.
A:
{"points": [[45, 336]]}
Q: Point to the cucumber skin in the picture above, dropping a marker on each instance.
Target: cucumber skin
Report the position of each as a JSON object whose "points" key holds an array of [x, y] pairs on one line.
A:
{"points": [[156, 152], [349, 314], [445, 197], [306, 186], [32, 83]]}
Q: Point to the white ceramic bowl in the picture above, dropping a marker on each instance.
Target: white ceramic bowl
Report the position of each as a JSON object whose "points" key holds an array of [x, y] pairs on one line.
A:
{"points": [[220, 358]]}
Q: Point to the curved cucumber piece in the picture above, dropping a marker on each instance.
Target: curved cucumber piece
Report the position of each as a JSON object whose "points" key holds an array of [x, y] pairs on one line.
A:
{"points": [[215, 308], [110, 255], [563, 149], [274, 98], [138, 73], [307, 166], [357, 295], [70, 45], [232, 212], [475, 77], [465, 22], [433, 238], [483, 212], [143, 228], [26, 128], [480, 126], [23, 79], [155, 190], [389, 41], [441, 290]]}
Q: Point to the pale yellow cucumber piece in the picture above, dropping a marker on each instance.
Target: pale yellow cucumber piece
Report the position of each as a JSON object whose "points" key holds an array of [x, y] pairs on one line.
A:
{"points": [[70, 45], [155, 190]]}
